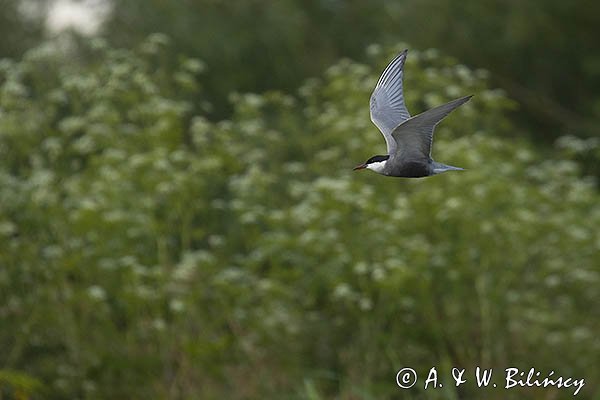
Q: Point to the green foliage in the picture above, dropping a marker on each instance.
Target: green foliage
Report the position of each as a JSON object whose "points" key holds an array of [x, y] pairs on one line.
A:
{"points": [[18, 384], [22, 25], [149, 252], [545, 53]]}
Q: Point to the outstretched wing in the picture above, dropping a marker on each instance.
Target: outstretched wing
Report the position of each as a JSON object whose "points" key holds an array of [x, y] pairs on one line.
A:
{"points": [[415, 136], [387, 101]]}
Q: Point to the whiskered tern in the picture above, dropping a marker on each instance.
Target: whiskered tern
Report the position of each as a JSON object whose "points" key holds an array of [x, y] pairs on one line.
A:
{"points": [[408, 139]]}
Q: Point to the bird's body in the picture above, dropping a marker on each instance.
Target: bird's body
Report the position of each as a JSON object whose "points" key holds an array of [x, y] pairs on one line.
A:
{"points": [[408, 139], [409, 168]]}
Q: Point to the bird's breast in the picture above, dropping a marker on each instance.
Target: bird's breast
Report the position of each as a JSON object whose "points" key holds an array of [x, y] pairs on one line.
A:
{"points": [[410, 169]]}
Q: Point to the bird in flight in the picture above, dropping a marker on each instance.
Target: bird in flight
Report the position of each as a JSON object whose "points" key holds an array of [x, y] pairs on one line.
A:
{"points": [[408, 139]]}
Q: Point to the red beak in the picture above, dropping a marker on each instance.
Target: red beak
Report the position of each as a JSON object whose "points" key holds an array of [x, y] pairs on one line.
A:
{"points": [[361, 166]]}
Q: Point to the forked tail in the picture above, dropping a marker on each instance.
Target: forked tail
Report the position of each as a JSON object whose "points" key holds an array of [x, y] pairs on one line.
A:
{"points": [[438, 168]]}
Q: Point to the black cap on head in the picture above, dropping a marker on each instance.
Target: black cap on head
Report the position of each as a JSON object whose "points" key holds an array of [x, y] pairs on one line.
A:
{"points": [[377, 159]]}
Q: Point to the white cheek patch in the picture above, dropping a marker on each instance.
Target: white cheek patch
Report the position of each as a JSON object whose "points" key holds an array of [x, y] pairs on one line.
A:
{"points": [[377, 166]]}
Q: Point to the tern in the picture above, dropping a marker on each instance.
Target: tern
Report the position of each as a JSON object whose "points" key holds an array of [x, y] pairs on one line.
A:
{"points": [[408, 139]]}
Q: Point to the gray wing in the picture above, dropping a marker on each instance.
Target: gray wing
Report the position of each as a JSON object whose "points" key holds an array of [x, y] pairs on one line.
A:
{"points": [[387, 101], [415, 136]]}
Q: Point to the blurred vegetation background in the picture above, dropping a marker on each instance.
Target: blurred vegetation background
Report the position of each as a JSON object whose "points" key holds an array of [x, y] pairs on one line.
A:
{"points": [[179, 218]]}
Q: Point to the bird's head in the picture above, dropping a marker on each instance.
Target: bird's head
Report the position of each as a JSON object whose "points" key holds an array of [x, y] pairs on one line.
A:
{"points": [[375, 163]]}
